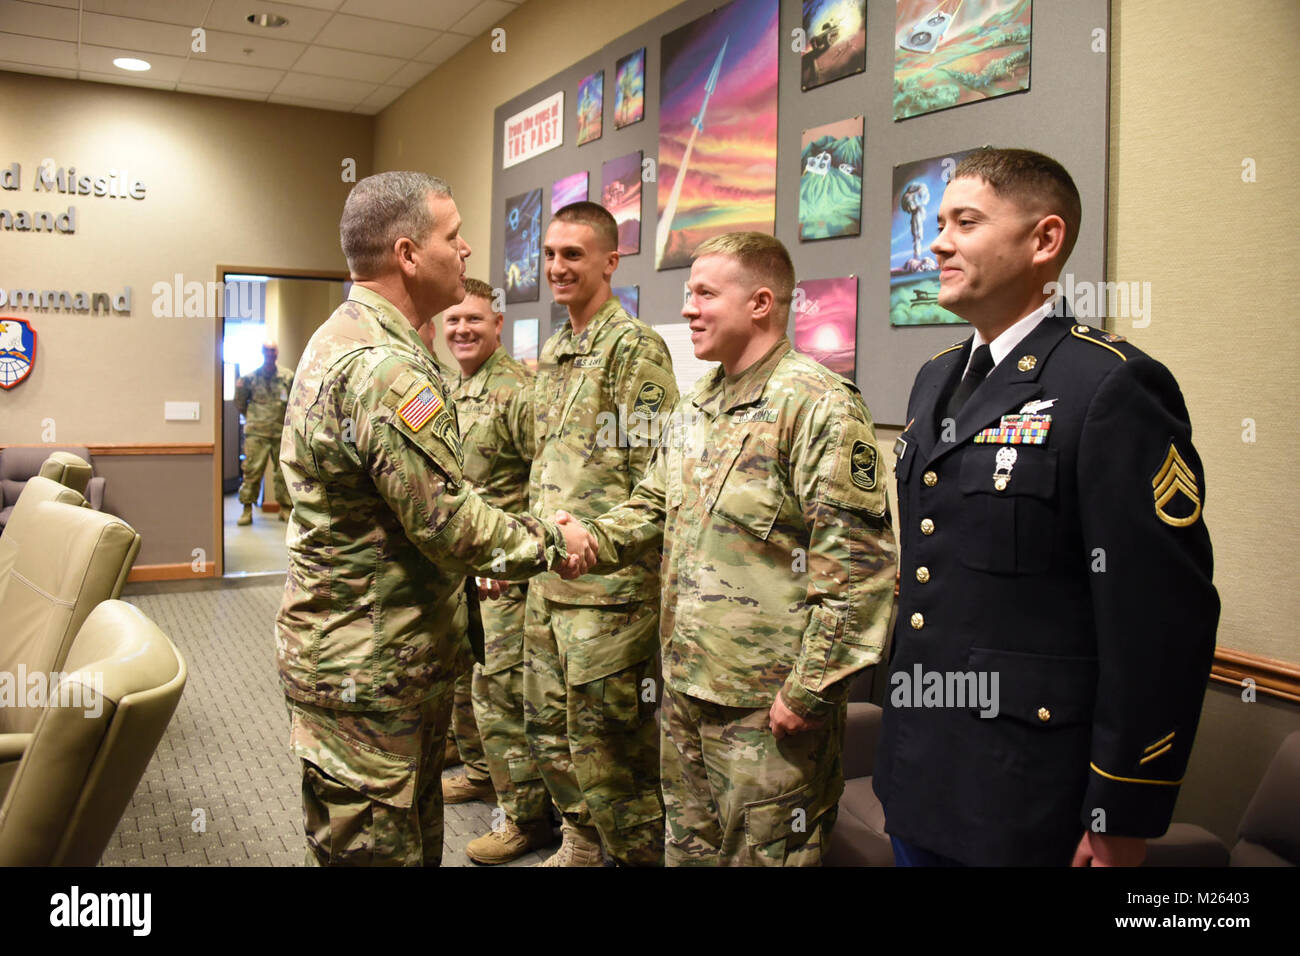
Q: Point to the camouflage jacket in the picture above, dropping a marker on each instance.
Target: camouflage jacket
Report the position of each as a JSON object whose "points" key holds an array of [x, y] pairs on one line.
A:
{"points": [[495, 410], [385, 528], [261, 398], [598, 398], [778, 551]]}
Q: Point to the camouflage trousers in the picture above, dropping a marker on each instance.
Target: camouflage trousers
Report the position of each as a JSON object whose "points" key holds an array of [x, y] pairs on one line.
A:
{"points": [[258, 452], [734, 795], [372, 782], [498, 693], [590, 723], [465, 729]]}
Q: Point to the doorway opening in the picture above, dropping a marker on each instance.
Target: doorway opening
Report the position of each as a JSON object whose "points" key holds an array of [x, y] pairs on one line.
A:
{"points": [[280, 307]]}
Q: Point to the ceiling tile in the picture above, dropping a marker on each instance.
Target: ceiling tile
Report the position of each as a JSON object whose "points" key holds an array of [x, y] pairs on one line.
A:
{"points": [[442, 48], [231, 15], [346, 64], [310, 103], [420, 13], [126, 79], [380, 98], [38, 52], [485, 15], [184, 12], [99, 59], [229, 48], [325, 88], [37, 20], [375, 36], [130, 34], [12, 67], [231, 75], [220, 91], [330, 5], [409, 75], [70, 4]]}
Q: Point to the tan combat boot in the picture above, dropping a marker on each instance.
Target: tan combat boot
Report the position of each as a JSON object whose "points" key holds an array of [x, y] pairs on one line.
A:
{"points": [[510, 842], [581, 847], [459, 788], [284, 513], [247, 516]]}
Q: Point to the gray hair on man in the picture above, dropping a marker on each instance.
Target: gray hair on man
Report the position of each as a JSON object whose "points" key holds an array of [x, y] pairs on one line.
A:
{"points": [[381, 209]]}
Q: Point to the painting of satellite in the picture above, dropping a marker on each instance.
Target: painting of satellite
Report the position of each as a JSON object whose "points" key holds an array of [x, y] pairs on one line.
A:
{"points": [[717, 128], [591, 105], [629, 297], [570, 189], [629, 89], [523, 246], [830, 187], [826, 322], [524, 346], [835, 40], [913, 273], [620, 193], [958, 51]]}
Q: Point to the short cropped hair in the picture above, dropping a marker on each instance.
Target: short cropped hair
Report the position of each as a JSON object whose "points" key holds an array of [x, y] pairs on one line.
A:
{"points": [[596, 216], [763, 256], [1029, 178], [478, 287], [381, 209]]}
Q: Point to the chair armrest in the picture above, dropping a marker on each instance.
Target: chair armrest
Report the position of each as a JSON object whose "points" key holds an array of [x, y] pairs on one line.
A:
{"points": [[861, 736], [95, 492], [1186, 844], [12, 746]]}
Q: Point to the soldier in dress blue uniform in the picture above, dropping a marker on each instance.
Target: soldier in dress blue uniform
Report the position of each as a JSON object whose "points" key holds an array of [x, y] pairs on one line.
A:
{"points": [[1053, 551]]}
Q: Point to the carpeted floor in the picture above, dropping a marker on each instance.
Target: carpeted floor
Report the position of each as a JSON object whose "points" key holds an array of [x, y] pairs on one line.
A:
{"points": [[222, 788]]}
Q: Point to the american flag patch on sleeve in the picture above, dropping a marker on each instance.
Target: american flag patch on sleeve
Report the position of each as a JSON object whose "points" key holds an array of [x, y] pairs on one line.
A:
{"points": [[417, 411]]}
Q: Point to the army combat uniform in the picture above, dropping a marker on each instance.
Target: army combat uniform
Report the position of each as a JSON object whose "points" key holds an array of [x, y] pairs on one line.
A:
{"points": [[589, 644], [494, 406], [262, 397], [370, 631], [778, 576]]}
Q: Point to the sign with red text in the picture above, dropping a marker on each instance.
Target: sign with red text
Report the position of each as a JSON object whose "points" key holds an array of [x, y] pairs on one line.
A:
{"points": [[533, 131]]}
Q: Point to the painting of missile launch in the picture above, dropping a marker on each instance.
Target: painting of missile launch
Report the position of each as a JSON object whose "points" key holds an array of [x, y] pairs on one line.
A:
{"points": [[913, 273], [620, 193], [717, 128], [958, 51], [523, 246], [830, 187], [629, 89], [629, 297], [826, 322], [570, 189], [591, 105], [835, 38]]}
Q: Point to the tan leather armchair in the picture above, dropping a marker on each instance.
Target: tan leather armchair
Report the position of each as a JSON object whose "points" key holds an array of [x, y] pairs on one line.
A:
{"points": [[62, 561], [93, 741], [19, 464]]}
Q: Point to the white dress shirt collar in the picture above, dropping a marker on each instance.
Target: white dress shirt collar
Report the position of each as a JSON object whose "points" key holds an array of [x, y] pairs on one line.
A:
{"points": [[1001, 346]]}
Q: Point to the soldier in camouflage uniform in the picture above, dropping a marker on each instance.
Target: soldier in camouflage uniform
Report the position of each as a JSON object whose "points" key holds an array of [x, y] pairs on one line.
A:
{"points": [[261, 397], [384, 532], [494, 405], [778, 571], [589, 646]]}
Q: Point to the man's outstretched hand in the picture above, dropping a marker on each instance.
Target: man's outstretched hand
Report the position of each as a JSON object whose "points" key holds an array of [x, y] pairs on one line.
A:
{"points": [[580, 545]]}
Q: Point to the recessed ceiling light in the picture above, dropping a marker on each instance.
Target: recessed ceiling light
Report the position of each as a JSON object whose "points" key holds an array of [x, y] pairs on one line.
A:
{"points": [[132, 64], [266, 20]]}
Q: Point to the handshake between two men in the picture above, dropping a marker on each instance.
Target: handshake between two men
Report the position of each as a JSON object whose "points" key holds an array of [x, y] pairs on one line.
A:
{"points": [[579, 544]]}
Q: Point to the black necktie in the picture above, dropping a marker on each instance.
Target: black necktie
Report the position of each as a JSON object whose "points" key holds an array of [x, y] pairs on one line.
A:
{"points": [[980, 364]]}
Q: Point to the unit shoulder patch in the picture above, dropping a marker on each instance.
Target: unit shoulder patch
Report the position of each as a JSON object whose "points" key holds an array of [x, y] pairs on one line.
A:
{"points": [[648, 399]]}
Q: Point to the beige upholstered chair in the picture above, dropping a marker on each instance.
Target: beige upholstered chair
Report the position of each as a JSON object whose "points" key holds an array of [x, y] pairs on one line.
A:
{"points": [[19, 464], [84, 759], [62, 561]]}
